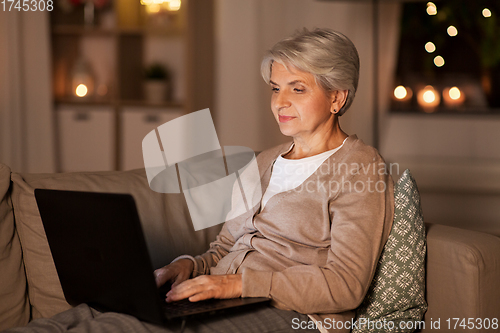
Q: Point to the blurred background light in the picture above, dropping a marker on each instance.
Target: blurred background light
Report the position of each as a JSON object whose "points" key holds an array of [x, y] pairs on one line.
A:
{"points": [[81, 90], [453, 97], [400, 92], [428, 98], [431, 8], [452, 31], [154, 6], [486, 12], [174, 5], [430, 47], [454, 93], [439, 61]]}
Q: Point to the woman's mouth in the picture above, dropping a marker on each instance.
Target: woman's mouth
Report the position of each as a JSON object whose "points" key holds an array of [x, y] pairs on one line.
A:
{"points": [[284, 119]]}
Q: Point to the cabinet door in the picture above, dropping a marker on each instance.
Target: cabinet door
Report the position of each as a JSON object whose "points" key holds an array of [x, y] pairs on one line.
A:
{"points": [[86, 138], [136, 123]]}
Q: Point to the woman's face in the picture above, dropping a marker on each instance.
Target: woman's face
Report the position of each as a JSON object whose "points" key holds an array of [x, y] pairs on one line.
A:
{"points": [[301, 107]]}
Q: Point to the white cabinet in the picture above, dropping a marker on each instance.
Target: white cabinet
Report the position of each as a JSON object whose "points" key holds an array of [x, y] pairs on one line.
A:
{"points": [[135, 124], [86, 138]]}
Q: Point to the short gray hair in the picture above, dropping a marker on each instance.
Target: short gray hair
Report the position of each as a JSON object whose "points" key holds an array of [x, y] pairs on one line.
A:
{"points": [[327, 54]]}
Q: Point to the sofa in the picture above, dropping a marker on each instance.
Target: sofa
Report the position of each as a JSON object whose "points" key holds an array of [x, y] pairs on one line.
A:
{"points": [[462, 268]]}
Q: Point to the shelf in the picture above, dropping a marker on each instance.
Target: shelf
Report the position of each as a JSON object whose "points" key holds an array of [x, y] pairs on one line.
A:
{"points": [[449, 112], [79, 30], [118, 103], [75, 30], [166, 104], [82, 102]]}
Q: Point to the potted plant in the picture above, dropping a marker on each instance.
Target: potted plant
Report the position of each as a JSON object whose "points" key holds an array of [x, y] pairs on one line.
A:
{"points": [[157, 83]]}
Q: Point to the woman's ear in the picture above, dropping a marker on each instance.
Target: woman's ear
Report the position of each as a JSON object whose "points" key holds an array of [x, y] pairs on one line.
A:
{"points": [[339, 98]]}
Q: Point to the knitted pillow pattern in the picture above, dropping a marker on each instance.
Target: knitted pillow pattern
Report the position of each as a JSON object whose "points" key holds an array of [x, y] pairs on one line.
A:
{"points": [[396, 297]]}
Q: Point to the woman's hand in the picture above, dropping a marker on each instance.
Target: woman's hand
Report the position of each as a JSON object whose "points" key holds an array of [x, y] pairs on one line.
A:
{"points": [[178, 271], [207, 286]]}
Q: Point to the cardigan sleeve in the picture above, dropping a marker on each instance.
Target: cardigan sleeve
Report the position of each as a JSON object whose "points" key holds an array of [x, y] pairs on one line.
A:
{"points": [[360, 225], [218, 249]]}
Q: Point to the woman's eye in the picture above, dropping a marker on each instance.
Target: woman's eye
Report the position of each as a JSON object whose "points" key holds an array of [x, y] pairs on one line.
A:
{"points": [[275, 89], [298, 90]]}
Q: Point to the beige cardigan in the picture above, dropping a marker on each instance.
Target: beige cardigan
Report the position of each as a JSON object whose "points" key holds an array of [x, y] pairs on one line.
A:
{"points": [[313, 249]]}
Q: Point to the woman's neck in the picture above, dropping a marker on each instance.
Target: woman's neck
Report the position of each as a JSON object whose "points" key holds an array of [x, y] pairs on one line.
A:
{"points": [[317, 144]]}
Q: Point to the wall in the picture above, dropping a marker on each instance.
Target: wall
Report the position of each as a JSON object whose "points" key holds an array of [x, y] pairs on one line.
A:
{"points": [[456, 162]]}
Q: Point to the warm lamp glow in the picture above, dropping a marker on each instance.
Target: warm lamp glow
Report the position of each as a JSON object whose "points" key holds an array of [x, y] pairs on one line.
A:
{"points": [[486, 12], [154, 6], [439, 61], [400, 92], [428, 98], [431, 8], [81, 90], [454, 93], [174, 5], [82, 80], [453, 97], [452, 31], [430, 47]]}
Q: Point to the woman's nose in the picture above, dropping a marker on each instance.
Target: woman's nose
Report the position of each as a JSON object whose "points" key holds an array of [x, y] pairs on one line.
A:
{"points": [[281, 100]]}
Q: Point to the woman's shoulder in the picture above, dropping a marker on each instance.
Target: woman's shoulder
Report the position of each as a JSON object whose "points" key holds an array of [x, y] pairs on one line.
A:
{"points": [[356, 151]]}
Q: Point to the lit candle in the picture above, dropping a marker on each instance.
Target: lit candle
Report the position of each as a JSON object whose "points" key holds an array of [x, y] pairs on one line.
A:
{"points": [[81, 90], [428, 98], [82, 79], [402, 93], [453, 97]]}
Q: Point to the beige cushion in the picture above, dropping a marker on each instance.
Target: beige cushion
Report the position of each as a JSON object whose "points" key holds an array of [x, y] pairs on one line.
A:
{"points": [[165, 219], [463, 270], [14, 306]]}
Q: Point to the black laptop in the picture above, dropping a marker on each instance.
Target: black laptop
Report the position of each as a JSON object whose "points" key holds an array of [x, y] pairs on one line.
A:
{"points": [[101, 257]]}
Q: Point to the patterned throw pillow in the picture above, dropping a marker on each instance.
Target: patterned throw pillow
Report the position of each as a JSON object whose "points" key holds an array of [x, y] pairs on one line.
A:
{"points": [[396, 297]]}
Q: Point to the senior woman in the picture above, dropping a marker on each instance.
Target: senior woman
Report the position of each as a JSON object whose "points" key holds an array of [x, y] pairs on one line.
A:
{"points": [[312, 243]]}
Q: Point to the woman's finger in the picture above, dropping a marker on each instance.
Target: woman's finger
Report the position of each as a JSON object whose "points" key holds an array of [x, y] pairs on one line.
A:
{"points": [[178, 271], [162, 275], [185, 289], [207, 286]]}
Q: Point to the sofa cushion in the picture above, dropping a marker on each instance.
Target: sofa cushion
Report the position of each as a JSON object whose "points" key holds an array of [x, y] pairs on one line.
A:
{"points": [[397, 293], [14, 305], [463, 274], [165, 220]]}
